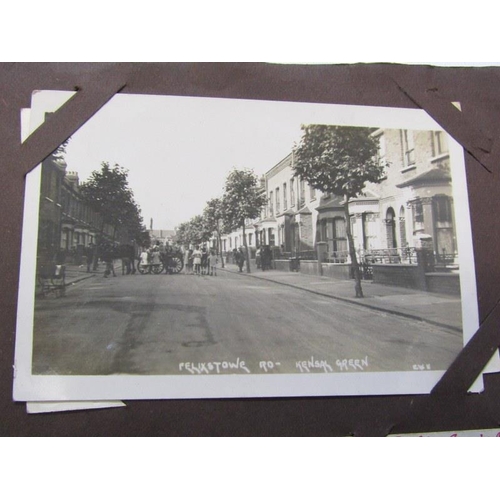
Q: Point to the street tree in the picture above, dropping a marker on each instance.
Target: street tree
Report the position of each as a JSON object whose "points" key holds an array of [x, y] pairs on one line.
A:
{"points": [[243, 200], [195, 231], [107, 192], [200, 230], [213, 214], [340, 161], [182, 234]]}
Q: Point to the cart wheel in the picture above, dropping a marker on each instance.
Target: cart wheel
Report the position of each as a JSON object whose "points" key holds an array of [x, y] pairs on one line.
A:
{"points": [[176, 265], [157, 268], [143, 269]]}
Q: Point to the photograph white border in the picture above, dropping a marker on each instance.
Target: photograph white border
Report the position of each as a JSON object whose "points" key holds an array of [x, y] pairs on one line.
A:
{"points": [[28, 387]]}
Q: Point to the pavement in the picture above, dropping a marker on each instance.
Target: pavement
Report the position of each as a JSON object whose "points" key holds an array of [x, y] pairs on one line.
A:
{"points": [[75, 274], [436, 309]]}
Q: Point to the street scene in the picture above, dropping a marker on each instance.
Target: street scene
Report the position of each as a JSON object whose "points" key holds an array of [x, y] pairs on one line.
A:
{"points": [[333, 249]]}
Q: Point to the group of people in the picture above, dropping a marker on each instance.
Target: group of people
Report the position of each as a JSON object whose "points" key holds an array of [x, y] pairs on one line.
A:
{"points": [[128, 254], [150, 256], [197, 261], [108, 253], [200, 260], [239, 258], [264, 257]]}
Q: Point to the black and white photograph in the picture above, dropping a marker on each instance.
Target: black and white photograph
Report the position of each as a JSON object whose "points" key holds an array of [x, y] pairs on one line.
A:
{"points": [[189, 247]]}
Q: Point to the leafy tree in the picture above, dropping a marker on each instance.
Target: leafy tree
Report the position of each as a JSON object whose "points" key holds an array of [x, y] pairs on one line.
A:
{"points": [[107, 192], [193, 232], [213, 215], [60, 152], [200, 230], [339, 160], [181, 234], [243, 199]]}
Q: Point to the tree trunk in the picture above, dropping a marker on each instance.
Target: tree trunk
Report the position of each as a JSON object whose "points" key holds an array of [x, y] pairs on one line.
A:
{"points": [[97, 248], [352, 252], [246, 248], [219, 244]]}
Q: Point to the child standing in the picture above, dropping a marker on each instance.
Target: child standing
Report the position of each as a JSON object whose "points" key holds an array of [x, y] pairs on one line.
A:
{"points": [[212, 263], [197, 261]]}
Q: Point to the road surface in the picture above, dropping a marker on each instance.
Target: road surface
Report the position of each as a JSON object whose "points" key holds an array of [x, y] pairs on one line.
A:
{"points": [[232, 323]]}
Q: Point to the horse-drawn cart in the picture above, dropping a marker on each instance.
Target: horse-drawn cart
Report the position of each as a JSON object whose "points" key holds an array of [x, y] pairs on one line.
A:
{"points": [[170, 261]]}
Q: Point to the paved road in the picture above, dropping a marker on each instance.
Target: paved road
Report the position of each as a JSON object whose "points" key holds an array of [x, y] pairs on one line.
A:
{"points": [[226, 324]]}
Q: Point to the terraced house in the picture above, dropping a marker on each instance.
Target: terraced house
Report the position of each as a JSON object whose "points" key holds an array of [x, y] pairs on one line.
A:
{"points": [[67, 224], [411, 206]]}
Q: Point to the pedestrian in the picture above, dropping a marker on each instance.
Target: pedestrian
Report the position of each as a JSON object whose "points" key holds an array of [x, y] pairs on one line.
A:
{"points": [[107, 257], [197, 260], [241, 259], [144, 259], [125, 258], [265, 258], [212, 262], [131, 249], [155, 257], [257, 257], [187, 263], [204, 260], [89, 255]]}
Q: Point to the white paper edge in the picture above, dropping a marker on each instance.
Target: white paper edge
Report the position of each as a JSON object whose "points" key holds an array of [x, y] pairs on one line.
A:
{"points": [[29, 387], [54, 406]]}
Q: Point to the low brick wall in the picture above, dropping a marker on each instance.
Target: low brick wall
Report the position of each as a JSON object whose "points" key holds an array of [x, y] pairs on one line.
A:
{"points": [[309, 267], [407, 276], [338, 271], [446, 283], [282, 265]]}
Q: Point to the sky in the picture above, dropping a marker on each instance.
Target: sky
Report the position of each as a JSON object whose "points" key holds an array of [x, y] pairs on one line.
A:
{"points": [[179, 150]]}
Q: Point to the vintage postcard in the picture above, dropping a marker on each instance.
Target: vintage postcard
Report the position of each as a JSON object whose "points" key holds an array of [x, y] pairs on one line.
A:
{"points": [[186, 247]]}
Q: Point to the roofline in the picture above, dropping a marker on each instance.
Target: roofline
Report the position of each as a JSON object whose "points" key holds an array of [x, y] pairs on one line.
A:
{"points": [[279, 166]]}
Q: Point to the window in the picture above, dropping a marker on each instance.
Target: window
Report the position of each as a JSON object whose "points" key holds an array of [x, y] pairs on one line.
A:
{"points": [[408, 148], [418, 212], [64, 239], [369, 226], [271, 208], [250, 238], [285, 201], [278, 207], [390, 221], [292, 193], [402, 228], [302, 195], [442, 209], [272, 237], [439, 145], [334, 233]]}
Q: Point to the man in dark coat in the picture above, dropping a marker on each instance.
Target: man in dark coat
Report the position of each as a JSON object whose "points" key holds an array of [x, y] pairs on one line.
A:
{"points": [[241, 259]]}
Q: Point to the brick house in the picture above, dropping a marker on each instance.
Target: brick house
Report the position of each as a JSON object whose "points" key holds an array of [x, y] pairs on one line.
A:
{"points": [[67, 225], [413, 201]]}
